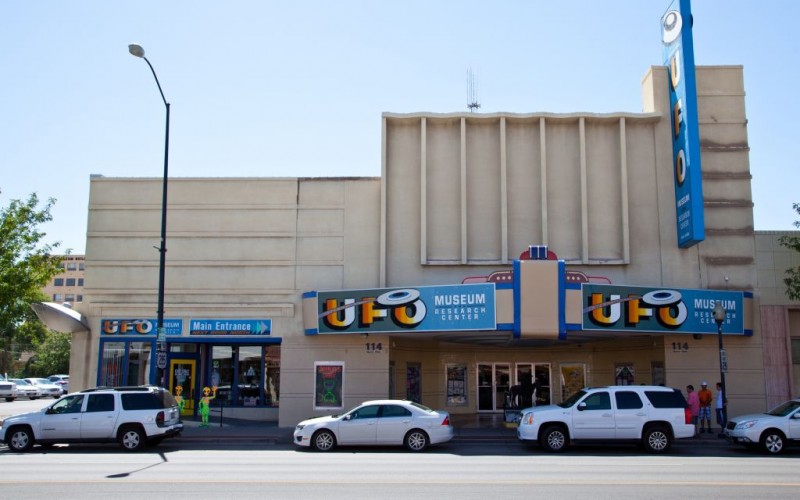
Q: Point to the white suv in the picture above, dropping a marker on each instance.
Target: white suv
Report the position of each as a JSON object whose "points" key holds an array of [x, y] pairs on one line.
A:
{"points": [[132, 416], [772, 431], [651, 415]]}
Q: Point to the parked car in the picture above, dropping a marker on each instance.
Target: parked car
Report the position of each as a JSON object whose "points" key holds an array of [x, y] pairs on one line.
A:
{"points": [[46, 387], [132, 416], [26, 390], [61, 380], [8, 390], [653, 416], [381, 422], [772, 431]]}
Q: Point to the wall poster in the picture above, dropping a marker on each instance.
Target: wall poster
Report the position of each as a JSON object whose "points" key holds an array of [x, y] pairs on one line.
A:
{"points": [[328, 385], [456, 384], [573, 379]]}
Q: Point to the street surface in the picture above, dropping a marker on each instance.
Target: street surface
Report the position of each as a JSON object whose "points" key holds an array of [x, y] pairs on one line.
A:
{"points": [[465, 469]]}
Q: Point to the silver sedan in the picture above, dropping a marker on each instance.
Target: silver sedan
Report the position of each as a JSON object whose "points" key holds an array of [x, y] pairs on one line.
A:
{"points": [[380, 422]]}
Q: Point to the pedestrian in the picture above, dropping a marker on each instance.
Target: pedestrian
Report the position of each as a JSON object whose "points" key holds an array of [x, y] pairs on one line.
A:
{"points": [[694, 405], [705, 397], [721, 410]]}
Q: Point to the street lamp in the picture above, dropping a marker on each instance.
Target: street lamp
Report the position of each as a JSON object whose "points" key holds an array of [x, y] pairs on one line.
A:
{"points": [[719, 314], [161, 348]]}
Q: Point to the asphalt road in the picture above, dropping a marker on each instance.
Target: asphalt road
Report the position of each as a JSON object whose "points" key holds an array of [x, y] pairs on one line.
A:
{"points": [[464, 470]]}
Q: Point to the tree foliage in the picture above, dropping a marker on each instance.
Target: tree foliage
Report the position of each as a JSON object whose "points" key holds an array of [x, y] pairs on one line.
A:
{"points": [[26, 265], [52, 356], [792, 280]]}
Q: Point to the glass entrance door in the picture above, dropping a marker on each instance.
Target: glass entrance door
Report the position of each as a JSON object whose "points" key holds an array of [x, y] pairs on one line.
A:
{"points": [[493, 384], [182, 383]]}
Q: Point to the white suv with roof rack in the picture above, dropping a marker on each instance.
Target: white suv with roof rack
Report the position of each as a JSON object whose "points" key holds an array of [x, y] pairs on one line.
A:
{"points": [[132, 416], [653, 416]]}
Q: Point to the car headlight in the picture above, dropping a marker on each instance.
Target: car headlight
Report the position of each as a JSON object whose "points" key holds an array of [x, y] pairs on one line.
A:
{"points": [[299, 427], [746, 424], [527, 419]]}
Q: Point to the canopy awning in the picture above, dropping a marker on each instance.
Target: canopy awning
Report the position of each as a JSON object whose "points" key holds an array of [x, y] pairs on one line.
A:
{"points": [[60, 318]]}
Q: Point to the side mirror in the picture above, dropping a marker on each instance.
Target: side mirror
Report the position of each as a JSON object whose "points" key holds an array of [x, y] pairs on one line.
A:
{"points": [[796, 416], [347, 417], [581, 406]]}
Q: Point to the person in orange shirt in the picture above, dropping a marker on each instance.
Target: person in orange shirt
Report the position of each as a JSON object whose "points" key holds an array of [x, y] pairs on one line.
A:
{"points": [[705, 397]]}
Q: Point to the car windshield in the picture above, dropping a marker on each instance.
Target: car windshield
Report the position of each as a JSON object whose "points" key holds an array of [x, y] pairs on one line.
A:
{"points": [[570, 402], [39, 381], [19, 381], [784, 409]]}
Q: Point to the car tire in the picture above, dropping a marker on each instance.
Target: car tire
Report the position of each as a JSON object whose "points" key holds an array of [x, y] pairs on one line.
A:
{"points": [[34, 398], [554, 439], [657, 439], [19, 439], [416, 440], [132, 438], [323, 440], [773, 441], [10, 400]]}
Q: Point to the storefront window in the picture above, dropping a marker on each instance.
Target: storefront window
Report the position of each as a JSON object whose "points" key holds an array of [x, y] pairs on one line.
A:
{"points": [[222, 372], [138, 363], [272, 365], [623, 374], [112, 367], [573, 379], [250, 375], [328, 385]]}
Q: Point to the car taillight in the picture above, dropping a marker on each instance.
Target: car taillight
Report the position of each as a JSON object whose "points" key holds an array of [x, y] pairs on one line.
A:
{"points": [[687, 416], [160, 419], [446, 420]]}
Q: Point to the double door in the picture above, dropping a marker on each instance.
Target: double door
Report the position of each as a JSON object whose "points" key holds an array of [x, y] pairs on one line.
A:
{"points": [[495, 382]]}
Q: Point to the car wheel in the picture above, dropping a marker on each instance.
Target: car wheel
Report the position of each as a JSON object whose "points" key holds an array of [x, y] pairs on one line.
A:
{"points": [[772, 441], [19, 439], [416, 440], [323, 440], [10, 400], [34, 398], [554, 439], [657, 439], [132, 438]]}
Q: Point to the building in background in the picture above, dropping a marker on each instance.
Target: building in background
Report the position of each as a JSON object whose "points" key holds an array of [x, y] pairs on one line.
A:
{"points": [[67, 286]]}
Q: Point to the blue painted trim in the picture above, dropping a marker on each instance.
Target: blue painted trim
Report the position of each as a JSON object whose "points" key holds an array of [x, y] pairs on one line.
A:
{"points": [[504, 286], [505, 326], [572, 286], [748, 294], [574, 327], [517, 301], [308, 295], [227, 340], [748, 333], [311, 331], [562, 300]]}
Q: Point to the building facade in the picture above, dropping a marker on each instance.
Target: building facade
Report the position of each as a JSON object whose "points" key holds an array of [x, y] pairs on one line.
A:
{"points": [[67, 286], [494, 250]]}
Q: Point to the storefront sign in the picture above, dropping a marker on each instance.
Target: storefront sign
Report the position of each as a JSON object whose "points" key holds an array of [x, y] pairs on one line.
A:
{"points": [[676, 31], [230, 327], [146, 327], [660, 310], [433, 308]]}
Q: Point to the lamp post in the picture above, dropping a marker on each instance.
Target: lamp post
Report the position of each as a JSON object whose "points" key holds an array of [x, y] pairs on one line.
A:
{"points": [[719, 314], [161, 344]]}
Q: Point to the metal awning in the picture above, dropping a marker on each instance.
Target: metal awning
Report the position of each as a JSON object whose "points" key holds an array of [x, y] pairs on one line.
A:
{"points": [[60, 318]]}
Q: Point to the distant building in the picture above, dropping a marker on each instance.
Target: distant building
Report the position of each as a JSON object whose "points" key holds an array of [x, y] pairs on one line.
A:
{"points": [[67, 287]]}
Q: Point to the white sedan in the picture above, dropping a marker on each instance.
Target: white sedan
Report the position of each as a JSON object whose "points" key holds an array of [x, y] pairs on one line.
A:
{"points": [[46, 387], [772, 432], [26, 390], [381, 422]]}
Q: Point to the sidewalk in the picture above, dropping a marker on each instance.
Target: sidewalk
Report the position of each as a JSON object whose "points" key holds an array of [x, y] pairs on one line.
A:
{"points": [[467, 428]]}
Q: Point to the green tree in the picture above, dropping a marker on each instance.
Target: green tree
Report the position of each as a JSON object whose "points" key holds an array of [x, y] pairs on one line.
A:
{"points": [[52, 355], [793, 243], [26, 265]]}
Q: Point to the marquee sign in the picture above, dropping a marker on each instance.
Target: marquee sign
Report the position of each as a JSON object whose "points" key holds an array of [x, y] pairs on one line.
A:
{"points": [[144, 327], [427, 308], [659, 310]]}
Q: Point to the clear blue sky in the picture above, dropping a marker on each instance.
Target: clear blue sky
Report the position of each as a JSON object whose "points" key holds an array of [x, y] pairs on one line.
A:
{"points": [[296, 88]]}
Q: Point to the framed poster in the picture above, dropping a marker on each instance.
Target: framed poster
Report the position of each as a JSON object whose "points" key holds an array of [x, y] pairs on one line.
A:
{"points": [[573, 379], [328, 385], [456, 376]]}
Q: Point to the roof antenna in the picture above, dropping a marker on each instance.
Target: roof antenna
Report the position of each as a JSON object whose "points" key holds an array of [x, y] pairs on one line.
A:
{"points": [[472, 92]]}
